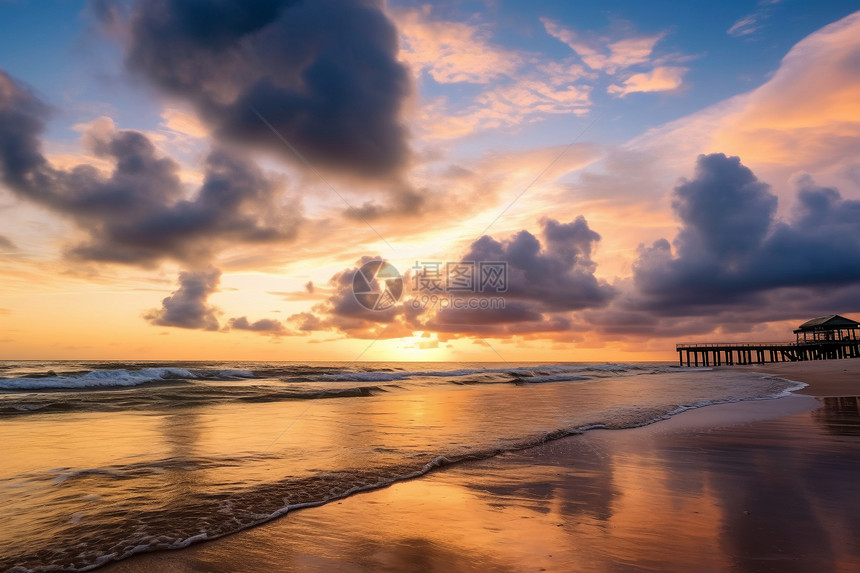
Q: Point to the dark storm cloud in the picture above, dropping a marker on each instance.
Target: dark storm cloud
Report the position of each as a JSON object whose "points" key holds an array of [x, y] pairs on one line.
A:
{"points": [[556, 275], [543, 280], [724, 208], [139, 213], [22, 119], [187, 307], [324, 73], [236, 203], [732, 250]]}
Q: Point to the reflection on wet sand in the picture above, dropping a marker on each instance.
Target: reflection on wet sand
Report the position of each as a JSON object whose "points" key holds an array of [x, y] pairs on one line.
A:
{"points": [[840, 415], [775, 495], [183, 477]]}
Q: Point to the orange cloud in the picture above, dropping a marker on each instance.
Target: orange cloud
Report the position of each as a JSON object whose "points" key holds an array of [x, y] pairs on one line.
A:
{"points": [[508, 105], [602, 54], [805, 118], [660, 79], [451, 51], [184, 123]]}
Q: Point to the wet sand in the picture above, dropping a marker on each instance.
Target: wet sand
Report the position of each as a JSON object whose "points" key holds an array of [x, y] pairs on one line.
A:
{"points": [[754, 486]]}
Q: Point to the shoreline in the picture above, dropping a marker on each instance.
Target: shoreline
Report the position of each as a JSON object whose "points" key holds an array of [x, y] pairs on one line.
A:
{"points": [[533, 509]]}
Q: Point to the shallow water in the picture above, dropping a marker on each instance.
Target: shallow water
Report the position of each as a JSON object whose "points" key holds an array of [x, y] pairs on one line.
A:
{"points": [[103, 460]]}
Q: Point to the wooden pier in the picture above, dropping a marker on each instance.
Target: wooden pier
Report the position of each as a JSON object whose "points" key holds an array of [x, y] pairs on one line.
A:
{"points": [[720, 353], [825, 338]]}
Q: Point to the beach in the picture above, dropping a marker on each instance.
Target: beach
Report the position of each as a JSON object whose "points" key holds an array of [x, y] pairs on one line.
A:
{"points": [[368, 286], [766, 485]]}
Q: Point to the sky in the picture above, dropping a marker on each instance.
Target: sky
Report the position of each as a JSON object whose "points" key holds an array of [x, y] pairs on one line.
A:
{"points": [[194, 180]]}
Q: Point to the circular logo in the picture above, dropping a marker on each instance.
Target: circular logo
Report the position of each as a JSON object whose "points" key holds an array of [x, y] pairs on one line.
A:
{"points": [[377, 285]]}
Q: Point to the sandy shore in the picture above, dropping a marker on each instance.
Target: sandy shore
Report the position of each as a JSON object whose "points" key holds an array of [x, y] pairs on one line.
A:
{"points": [[754, 486], [825, 377]]}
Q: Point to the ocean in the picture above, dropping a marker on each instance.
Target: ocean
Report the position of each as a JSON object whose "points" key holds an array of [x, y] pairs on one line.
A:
{"points": [[102, 460]]}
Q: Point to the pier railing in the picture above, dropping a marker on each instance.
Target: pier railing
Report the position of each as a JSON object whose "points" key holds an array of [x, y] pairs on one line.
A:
{"points": [[686, 345]]}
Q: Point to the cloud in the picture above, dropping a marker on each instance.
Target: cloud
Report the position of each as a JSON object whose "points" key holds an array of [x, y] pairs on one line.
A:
{"points": [[745, 26], [519, 87], [324, 74], [140, 213], [731, 249], [543, 280], [425, 344], [735, 266], [513, 87], [451, 52], [806, 110], [187, 307], [22, 119], [513, 103], [603, 54], [507, 104], [661, 79], [724, 208], [751, 23], [184, 123], [262, 326], [621, 58], [803, 118], [341, 311]]}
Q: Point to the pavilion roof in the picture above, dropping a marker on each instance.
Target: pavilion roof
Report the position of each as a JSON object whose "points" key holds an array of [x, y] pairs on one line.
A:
{"points": [[831, 321]]}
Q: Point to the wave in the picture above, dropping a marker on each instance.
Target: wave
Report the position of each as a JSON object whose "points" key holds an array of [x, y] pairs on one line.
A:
{"points": [[539, 379], [178, 397], [363, 377], [541, 373], [116, 378], [117, 375], [96, 378]]}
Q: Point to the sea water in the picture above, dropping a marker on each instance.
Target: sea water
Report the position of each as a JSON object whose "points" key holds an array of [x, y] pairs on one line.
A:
{"points": [[102, 460]]}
